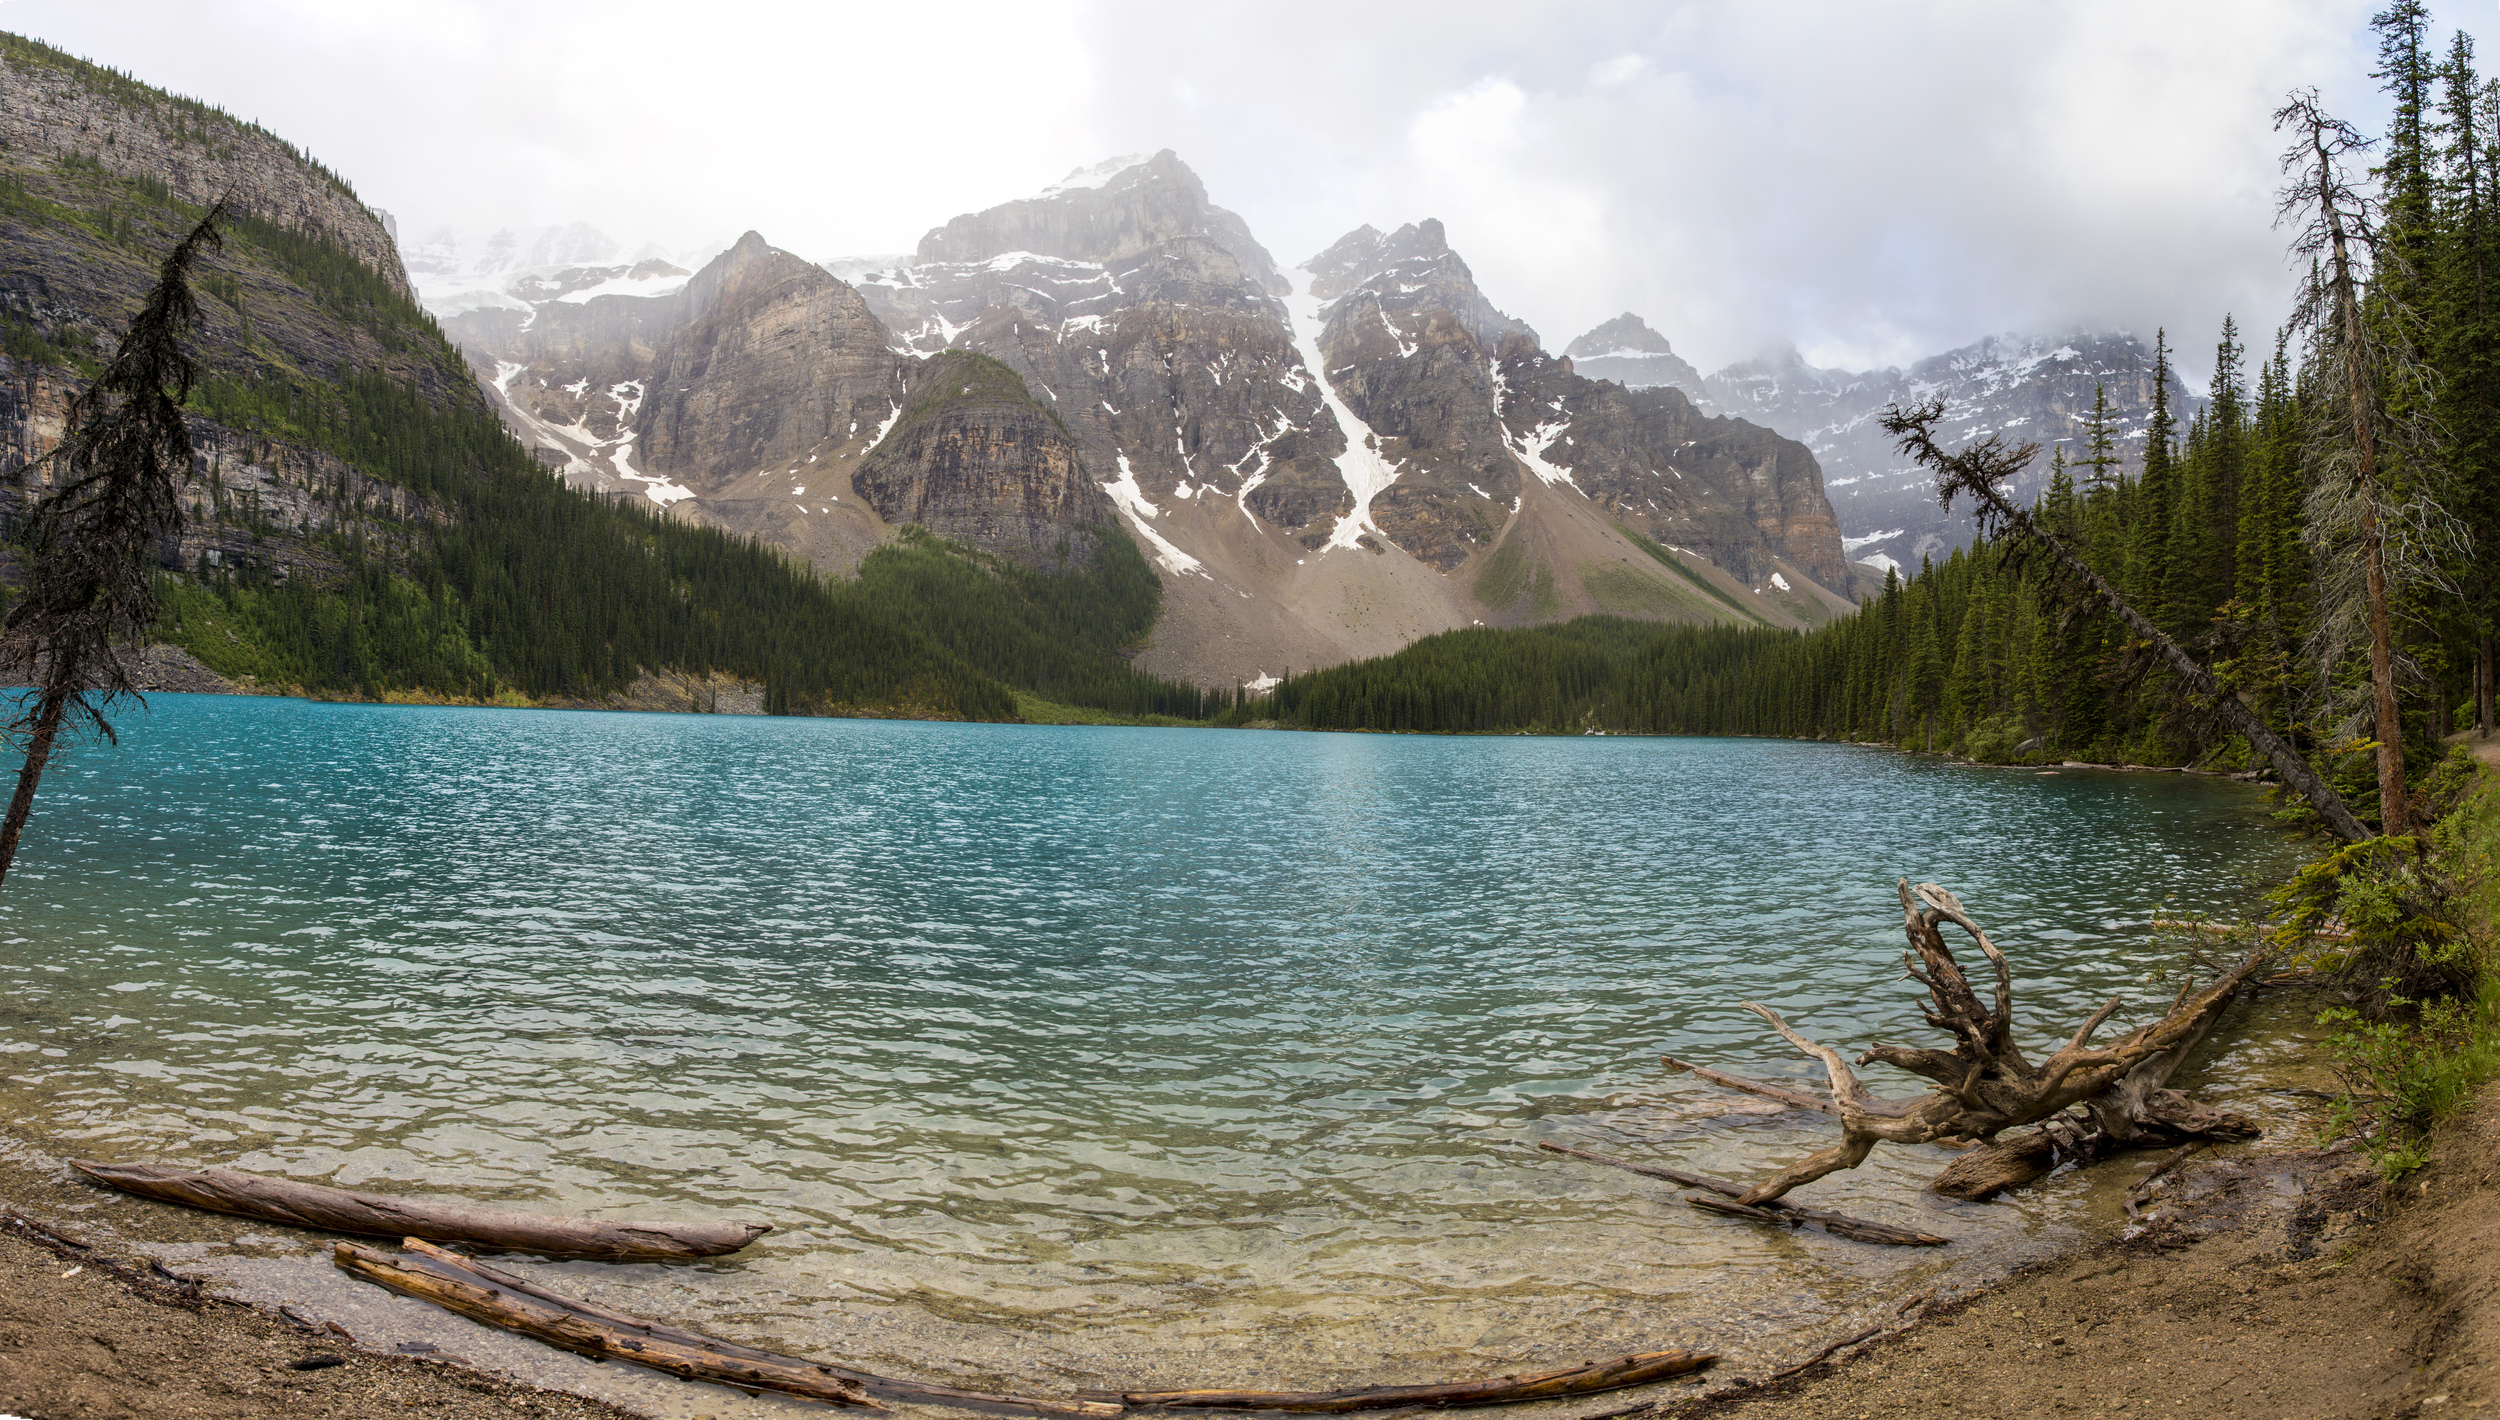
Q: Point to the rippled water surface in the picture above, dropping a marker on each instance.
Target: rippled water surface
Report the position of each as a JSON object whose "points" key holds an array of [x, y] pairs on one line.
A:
{"points": [[1056, 1054]]}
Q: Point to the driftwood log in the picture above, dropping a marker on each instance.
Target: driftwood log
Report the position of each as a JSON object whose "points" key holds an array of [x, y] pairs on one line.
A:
{"points": [[2088, 1100], [312, 1205], [1777, 1210], [1623, 1371], [497, 1298]]}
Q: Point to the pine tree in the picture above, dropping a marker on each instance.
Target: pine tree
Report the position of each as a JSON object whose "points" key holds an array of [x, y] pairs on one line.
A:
{"points": [[90, 545], [2148, 552]]}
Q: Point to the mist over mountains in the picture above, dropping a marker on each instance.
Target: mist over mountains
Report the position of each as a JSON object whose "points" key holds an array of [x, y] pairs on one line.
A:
{"points": [[2034, 388]]}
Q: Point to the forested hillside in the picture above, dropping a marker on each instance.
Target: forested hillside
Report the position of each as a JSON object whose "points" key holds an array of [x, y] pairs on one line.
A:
{"points": [[363, 525], [2242, 539]]}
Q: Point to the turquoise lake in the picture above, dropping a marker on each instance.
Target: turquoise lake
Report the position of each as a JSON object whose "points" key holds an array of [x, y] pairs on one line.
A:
{"points": [[1063, 1056]]}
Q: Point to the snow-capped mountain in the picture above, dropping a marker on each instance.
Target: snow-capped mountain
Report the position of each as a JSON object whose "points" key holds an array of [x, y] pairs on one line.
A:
{"points": [[513, 268], [1320, 464]]}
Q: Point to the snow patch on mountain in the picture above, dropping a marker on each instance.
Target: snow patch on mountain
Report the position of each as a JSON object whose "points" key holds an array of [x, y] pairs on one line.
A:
{"points": [[1133, 501], [1084, 179], [1365, 472]]}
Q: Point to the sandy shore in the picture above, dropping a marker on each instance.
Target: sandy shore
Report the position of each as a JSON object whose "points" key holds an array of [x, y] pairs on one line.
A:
{"points": [[2276, 1285], [2270, 1282]]}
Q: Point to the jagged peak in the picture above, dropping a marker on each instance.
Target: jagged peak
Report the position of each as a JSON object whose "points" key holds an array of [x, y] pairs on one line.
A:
{"points": [[1626, 334], [1134, 207], [1101, 174]]}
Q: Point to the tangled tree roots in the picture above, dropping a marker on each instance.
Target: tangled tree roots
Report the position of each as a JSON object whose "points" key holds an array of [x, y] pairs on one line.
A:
{"points": [[2088, 1101]]}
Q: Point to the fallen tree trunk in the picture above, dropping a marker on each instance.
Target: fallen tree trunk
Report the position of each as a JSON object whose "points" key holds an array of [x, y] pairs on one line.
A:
{"points": [[312, 1205], [1777, 1210], [1543, 1385], [1985, 1084], [497, 1298]]}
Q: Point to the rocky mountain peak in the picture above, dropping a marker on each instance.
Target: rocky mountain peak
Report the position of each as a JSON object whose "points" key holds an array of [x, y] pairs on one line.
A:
{"points": [[1104, 218], [1626, 351], [1626, 334], [1364, 253], [1413, 272]]}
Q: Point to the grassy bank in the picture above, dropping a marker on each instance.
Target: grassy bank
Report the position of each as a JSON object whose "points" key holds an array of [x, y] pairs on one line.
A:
{"points": [[2420, 966]]}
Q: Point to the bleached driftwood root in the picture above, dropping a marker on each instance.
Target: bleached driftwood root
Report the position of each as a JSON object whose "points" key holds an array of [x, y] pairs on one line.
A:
{"points": [[2088, 1100]]}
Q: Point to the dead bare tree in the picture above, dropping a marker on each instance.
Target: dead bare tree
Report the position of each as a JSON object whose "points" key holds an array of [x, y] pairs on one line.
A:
{"points": [[2117, 1093], [88, 545], [2350, 501], [1979, 469]]}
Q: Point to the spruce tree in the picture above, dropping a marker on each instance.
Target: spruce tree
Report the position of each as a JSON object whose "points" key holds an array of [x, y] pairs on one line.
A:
{"points": [[90, 547]]}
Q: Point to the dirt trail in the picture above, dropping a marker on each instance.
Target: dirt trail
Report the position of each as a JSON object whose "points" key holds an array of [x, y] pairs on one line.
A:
{"points": [[2285, 1285]]}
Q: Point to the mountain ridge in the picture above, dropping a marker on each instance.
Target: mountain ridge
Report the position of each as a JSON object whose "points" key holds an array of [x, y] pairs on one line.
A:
{"points": [[1320, 466]]}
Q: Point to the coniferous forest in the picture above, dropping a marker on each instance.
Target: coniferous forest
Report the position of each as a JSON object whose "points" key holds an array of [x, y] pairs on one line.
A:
{"points": [[2235, 537]]}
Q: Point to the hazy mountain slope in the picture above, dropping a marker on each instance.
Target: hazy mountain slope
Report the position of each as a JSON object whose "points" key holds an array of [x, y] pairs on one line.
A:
{"points": [[1626, 351], [2029, 388], [55, 107]]}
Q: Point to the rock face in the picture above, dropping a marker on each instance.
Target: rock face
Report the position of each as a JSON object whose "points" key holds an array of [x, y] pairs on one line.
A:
{"points": [[752, 397], [80, 139], [1626, 351], [55, 106], [1321, 464], [973, 458], [1122, 208]]}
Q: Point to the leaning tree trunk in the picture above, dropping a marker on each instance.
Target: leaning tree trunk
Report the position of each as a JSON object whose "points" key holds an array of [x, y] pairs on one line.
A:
{"points": [[1985, 1084], [47, 731]]}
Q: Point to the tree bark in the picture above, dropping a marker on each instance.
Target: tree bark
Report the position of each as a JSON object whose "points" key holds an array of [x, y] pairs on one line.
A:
{"points": [[481, 1295], [38, 753], [310, 1205], [1778, 1210], [2483, 688], [2393, 815]]}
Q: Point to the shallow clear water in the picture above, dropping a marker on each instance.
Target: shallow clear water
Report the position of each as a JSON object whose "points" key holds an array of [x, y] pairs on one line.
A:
{"points": [[1057, 1055]]}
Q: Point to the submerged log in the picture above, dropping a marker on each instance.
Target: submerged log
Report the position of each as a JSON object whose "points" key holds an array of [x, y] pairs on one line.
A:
{"points": [[1616, 1374], [498, 1298], [1985, 1085], [1777, 1210], [312, 1205]]}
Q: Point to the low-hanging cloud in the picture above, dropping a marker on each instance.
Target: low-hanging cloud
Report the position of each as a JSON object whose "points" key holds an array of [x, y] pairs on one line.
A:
{"points": [[1872, 182]]}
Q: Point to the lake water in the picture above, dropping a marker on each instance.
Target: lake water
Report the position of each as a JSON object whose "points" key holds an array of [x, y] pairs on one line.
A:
{"points": [[1062, 1056]]}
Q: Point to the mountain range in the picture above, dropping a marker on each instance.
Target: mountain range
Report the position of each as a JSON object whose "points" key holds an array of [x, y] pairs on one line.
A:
{"points": [[1318, 463], [1322, 463]]}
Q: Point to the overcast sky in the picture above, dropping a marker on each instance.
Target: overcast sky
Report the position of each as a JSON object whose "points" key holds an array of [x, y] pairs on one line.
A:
{"points": [[1874, 180]]}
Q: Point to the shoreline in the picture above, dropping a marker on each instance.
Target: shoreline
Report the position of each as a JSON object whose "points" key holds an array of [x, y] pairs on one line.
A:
{"points": [[2290, 1283], [254, 1268]]}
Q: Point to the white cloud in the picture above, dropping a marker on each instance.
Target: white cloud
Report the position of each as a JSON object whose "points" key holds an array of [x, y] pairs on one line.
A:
{"points": [[1874, 182]]}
